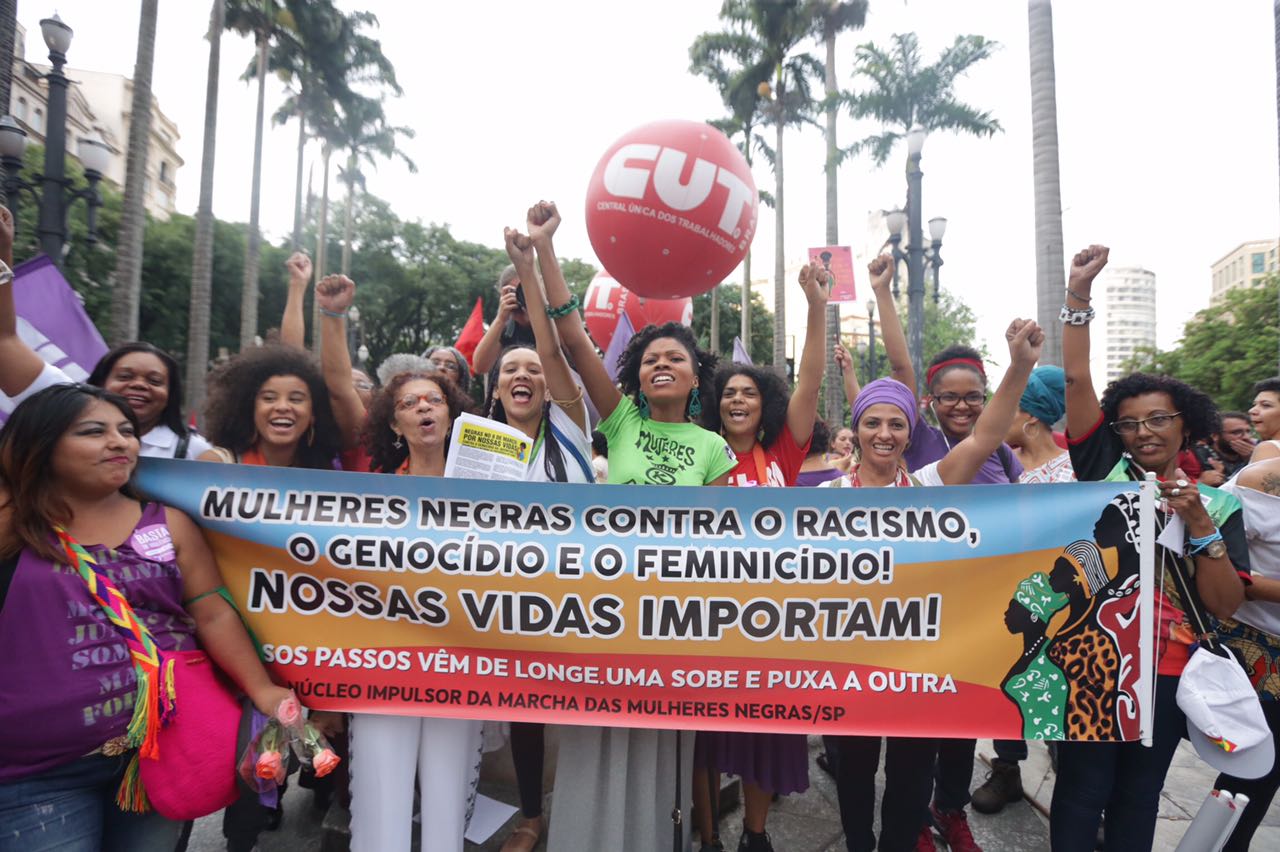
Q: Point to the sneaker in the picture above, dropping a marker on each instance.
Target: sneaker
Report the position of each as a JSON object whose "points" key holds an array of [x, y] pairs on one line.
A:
{"points": [[753, 842], [1002, 787], [954, 828], [924, 843]]}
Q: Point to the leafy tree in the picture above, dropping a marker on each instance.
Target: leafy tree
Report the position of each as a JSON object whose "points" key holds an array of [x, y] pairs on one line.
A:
{"points": [[761, 346], [1226, 348], [905, 92]]}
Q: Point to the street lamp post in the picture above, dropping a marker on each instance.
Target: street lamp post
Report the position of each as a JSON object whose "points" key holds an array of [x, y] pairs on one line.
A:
{"points": [[55, 193], [871, 340], [916, 255]]}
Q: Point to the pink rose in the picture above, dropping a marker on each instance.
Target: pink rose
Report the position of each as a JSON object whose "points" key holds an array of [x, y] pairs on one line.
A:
{"points": [[325, 762], [271, 767], [289, 712]]}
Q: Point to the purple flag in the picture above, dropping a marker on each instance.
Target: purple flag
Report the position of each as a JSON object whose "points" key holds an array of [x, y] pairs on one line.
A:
{"points": [[622, 335], [740, 354], [52, 322]]}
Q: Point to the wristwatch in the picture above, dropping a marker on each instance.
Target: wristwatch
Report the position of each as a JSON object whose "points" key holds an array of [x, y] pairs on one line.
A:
{"points": [[1215, 549]]}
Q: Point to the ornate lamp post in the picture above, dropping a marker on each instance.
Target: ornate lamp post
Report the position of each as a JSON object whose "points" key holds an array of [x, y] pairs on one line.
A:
{"points": [[52, 191], [916, 255]]}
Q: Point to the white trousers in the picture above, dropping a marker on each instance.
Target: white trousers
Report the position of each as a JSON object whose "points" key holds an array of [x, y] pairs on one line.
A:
{"points": [[386, 753]]}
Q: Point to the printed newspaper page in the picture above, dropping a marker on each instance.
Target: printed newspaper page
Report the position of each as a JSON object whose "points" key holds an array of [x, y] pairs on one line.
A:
{"points": [[486, 449]]}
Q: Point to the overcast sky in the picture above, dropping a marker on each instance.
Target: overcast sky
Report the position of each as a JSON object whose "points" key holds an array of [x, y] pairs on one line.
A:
{"points": [[1166, 118]]}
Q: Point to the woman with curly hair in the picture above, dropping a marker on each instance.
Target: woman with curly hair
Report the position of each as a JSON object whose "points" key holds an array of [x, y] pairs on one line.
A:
{"points": [[768, 428], [407, 433], [73, 536], [147, 377], [269, 406], [1141, 425], [618, 784]]}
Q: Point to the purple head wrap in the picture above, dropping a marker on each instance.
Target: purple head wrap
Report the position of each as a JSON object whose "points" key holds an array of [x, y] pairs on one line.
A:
{"points": [[889, 391]]}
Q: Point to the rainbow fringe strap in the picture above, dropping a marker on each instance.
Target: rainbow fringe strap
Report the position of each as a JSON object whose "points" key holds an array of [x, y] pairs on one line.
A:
{"points": [[155, 703]]}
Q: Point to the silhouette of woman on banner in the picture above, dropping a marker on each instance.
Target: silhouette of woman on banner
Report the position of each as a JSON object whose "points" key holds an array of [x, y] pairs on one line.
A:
{"points": [[1034, 683]]}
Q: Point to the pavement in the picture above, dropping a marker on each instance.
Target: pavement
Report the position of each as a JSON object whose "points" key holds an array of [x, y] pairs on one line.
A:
{"points": [[810, 822]]}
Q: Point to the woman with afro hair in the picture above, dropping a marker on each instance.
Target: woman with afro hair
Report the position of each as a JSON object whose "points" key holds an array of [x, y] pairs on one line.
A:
{"points": [[615, 786], [768, 428], [1140, 426]]}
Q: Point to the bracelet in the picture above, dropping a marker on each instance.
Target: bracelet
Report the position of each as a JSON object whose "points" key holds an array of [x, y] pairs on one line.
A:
{"points": [[1076, 316], [565, 402], [6, 274], [334, 314], [1076, 295], [1199, 544], [564, 310]]}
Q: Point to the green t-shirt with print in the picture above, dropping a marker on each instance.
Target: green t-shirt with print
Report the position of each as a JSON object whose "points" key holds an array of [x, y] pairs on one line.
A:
{"points": [[646, 452]]}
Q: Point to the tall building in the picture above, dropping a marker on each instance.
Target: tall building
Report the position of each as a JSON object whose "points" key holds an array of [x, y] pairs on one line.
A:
{"points": [[1244, 266], [98, 103], [1127, 316]]}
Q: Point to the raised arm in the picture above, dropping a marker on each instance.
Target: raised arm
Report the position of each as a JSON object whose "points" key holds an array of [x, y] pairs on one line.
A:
{"points": [[293, 325], [544, 218], [803, 408], [960, 465], [334, 295], [848, 373], [895, 341], [1083, 411], [19, 366], [561, 387]]}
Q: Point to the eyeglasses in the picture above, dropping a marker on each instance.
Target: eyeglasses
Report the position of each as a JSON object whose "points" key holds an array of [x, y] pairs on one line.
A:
{"points": [[411, 400], [1156, 423], [363, 385], [971, 399], [449, 366]]}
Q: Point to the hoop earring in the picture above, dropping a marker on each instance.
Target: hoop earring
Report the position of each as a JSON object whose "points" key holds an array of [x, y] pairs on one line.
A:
{"points": [[642, 405], [695, 404]]}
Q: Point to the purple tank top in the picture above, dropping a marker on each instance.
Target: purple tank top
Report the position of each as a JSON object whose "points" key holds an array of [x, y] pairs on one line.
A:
{"points": [[68, 679], [814, 478]]}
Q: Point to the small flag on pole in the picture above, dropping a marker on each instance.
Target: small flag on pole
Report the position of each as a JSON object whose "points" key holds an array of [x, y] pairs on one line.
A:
{"points": [[622, 335], [740, 355], [472, 332]]}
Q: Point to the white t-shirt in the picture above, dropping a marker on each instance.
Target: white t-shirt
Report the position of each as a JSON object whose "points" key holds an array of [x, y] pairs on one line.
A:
{"points": [[159, 443], [927, 475], [1262, 530], [573, 440]]}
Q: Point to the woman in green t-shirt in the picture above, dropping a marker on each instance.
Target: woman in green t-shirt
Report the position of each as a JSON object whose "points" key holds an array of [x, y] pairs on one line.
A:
{"points": [[615, 786]]}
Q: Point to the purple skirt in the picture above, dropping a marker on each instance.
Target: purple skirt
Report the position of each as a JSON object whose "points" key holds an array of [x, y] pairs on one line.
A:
{"points": [[776, 763]]}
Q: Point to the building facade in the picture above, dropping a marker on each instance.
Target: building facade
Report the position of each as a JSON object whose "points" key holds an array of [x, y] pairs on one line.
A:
{"points": [[1244, 266], [1127, 317], [98, 103]]}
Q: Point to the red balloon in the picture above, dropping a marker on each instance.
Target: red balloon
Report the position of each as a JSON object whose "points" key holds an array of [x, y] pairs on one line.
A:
{"points": [[607, 300], [671, 209]]}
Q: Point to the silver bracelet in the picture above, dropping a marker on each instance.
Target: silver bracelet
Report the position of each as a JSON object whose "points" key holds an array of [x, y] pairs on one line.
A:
{"points": [[1076, 316]]}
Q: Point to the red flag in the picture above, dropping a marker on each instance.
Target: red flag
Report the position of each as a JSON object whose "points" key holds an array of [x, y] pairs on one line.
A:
{"points": [[472, 332]]}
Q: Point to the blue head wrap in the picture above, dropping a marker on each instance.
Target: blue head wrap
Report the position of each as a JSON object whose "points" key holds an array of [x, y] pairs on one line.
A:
{"points": [[1045, 398]]}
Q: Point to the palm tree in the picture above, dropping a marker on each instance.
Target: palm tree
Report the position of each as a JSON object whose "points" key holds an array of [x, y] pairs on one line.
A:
{"points": [[202, 252], [904, 92], [779, 27], [1050, 275], [133, 218], [264, 20], [1276, 15], [366, 135], [834, 17], [738, 83]]}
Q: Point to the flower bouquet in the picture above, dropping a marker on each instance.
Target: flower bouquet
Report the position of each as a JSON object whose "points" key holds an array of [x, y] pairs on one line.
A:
{"points": [[265, 762]]}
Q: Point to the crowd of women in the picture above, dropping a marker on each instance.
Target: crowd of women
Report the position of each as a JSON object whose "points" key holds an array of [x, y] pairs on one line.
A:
{"points": [[69, 450]]}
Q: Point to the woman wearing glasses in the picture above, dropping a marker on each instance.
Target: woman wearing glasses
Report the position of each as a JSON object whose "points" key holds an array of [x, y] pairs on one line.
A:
{"points": [[1140, 425], [406, 433]]}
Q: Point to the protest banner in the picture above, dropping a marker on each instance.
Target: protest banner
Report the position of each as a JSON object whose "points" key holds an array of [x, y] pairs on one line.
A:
{"points": [[838, 261], [910, 611]]}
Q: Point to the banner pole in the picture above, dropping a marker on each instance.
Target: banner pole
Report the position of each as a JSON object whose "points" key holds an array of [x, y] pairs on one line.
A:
{"points": [[1146, 604]]}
